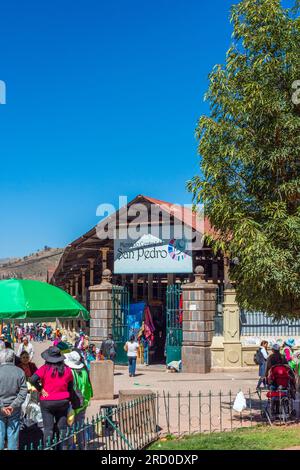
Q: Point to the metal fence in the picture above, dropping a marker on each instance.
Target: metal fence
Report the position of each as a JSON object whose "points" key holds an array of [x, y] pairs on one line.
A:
{"points": [[186, 414], [135, 425], [219, 311], [129, 426], [262, 325]]}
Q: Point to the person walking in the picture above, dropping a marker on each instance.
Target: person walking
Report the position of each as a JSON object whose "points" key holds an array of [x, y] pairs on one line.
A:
{"points": [[26, 346], [261, 359], [132, 347], [83, 389], [13, 393], [108, 348], [55, 381]]}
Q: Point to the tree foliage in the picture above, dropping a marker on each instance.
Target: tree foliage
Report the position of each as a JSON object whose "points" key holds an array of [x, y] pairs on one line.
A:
{"points": [[250, 157]]}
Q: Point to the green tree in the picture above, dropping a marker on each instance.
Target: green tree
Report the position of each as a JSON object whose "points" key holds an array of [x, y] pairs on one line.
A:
{"points": [[249, 145]]}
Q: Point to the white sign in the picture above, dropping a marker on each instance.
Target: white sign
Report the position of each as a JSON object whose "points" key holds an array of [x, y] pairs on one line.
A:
{"points": [[193, 307], [152, 255]]}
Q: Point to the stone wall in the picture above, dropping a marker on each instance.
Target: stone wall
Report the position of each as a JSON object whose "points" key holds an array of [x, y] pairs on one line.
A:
{"points": [[101, 309]]}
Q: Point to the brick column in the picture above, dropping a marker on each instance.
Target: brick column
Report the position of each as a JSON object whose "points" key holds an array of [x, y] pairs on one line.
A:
{"points": [[231, 319], [101, 309], [199, 306]]}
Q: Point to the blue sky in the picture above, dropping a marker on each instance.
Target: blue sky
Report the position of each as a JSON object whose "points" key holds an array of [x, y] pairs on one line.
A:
{"points": [[102, 100]]}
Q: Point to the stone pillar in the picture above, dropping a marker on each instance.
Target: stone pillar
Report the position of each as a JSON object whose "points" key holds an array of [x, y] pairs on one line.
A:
{"points": [[101, 309], [83, 290], [199, 307], [104, 252], [231, 318], [71, 287], [76, 285], [92, 265]]}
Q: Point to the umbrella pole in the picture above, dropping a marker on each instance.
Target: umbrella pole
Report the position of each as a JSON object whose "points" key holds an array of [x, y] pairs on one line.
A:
{"points": [[13, 334]]}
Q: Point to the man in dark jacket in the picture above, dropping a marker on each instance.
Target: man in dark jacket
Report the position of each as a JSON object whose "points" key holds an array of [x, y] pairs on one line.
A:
{"points": [[108, 348], [13, 392]]}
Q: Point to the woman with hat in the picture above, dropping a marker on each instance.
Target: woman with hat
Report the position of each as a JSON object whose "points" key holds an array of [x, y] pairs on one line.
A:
{"points": [[82, 388], [55, 381]]}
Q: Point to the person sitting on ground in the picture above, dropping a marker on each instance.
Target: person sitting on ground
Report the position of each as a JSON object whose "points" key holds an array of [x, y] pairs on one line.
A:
{"points": [[28, 367], [274, 359], [26, 346]]}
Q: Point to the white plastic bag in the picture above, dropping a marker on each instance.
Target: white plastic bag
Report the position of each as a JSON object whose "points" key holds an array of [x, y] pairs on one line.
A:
{"points": [[240, 403]]}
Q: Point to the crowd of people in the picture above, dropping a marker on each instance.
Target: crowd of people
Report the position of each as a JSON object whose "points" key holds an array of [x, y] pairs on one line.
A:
{"points": [[281, 368], [62, 384], [38, 332]]}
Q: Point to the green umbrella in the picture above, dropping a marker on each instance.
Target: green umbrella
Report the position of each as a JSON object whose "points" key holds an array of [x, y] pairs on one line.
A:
{"points": [[33, 300]]}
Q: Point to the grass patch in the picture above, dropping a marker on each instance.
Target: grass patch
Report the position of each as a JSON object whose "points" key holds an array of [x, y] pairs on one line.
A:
{"points": [[256, 438]]}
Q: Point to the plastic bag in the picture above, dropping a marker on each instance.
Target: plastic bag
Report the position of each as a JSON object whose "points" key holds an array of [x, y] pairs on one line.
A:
{"points": [[25, 405], [33, 413], [240, 403]]}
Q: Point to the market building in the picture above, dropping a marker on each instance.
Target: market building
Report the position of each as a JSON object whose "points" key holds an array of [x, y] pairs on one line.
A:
{"points": [[117, 278], [133, 270]]}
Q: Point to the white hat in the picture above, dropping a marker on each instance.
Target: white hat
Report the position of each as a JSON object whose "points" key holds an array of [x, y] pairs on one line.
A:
{"points": [[73, 360]]}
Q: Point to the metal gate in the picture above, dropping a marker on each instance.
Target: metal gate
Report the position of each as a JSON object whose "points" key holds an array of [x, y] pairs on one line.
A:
{"points": [[120, 307], [174, 323]]}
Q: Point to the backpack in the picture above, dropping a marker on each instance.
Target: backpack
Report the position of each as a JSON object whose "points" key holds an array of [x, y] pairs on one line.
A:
{"points": [[257, 358]]}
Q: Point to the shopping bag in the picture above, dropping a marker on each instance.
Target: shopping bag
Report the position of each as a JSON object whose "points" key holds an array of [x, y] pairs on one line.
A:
{"points": [[240, 403]]}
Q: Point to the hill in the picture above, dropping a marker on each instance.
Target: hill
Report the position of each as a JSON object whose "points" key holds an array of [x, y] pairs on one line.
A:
{"points": [[34, 266]]}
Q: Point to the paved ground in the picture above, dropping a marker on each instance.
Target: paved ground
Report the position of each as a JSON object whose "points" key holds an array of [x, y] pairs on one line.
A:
{"points": [[184, 403]]}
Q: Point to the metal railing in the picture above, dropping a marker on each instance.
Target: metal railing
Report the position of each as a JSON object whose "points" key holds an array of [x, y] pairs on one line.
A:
{"points": [[186, 414], [218, 319], [129, 426], [262, 325], [134, 425]]}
